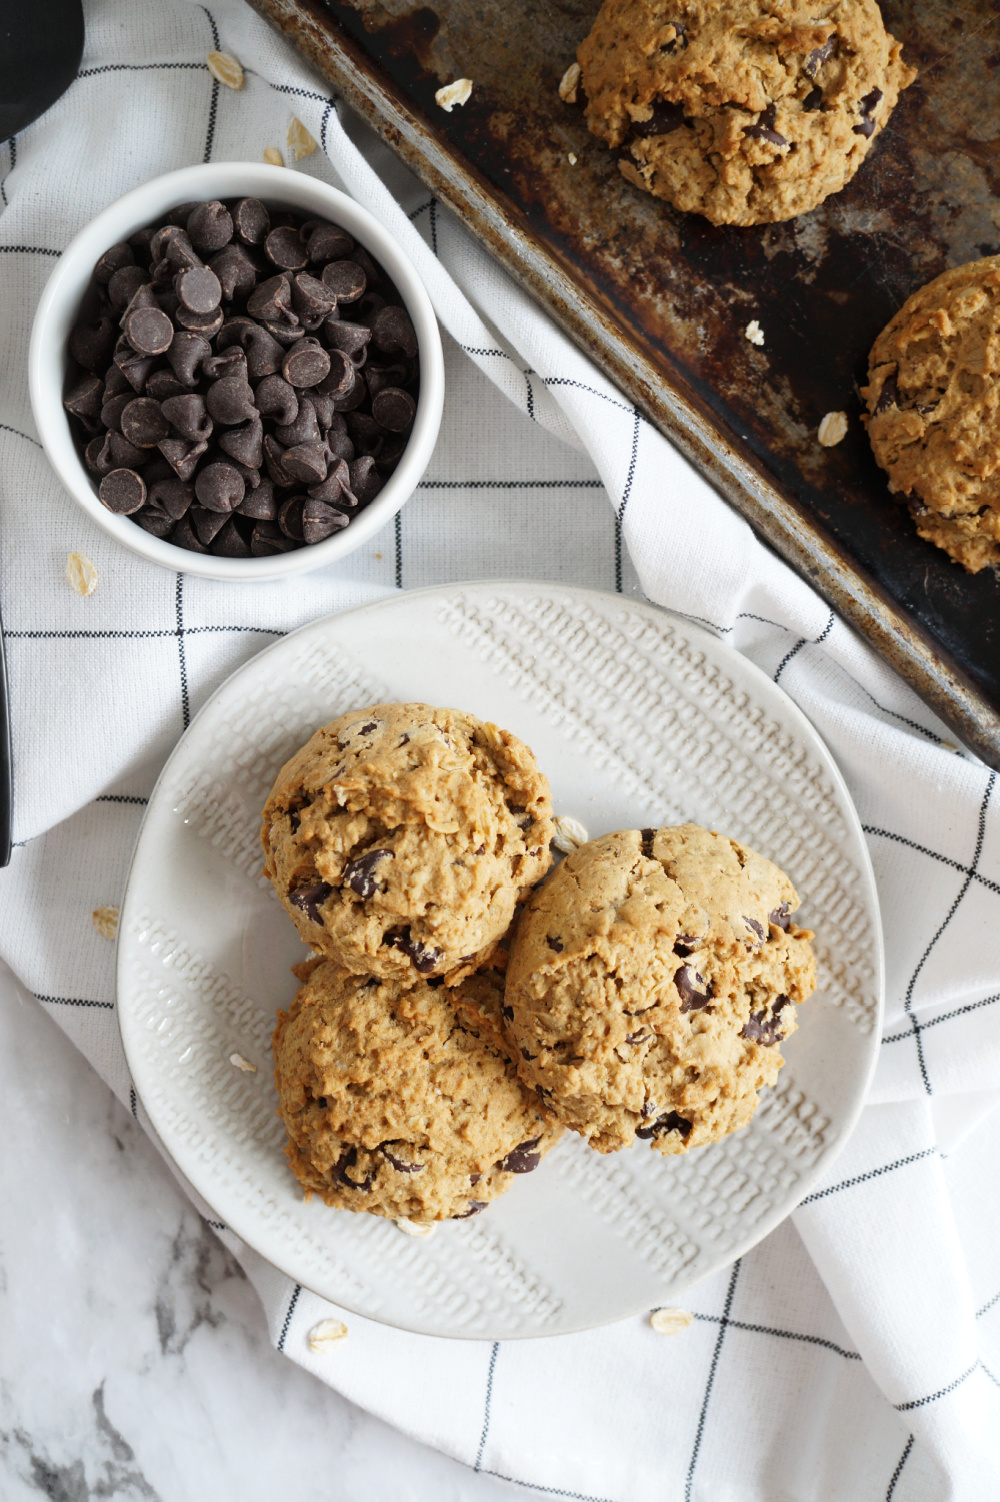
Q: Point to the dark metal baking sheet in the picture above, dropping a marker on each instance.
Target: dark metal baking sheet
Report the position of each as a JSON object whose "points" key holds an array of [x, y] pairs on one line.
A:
{"points": [[660, 299]]}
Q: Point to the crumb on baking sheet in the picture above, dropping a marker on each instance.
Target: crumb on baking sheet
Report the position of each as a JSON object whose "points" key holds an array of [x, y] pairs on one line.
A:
{"points": [[832, 429], [754, 333], [453, 93]]}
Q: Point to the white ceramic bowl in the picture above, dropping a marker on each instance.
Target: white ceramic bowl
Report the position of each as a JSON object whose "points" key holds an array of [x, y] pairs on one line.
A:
{"points": [[60, 308]]}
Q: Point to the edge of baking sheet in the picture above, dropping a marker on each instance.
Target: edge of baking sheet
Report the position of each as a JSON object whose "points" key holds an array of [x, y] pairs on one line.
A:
{"points": [[848, 589]]}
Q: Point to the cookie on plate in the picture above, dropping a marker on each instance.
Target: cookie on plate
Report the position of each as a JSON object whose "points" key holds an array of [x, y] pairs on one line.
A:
{"points": [[400, 838], [933, 398], [397, 1104], [650, 983], [746, 111]]}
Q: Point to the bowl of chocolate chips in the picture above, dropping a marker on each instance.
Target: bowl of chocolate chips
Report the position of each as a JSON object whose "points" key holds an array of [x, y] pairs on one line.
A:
{"points": [[237, 372]]}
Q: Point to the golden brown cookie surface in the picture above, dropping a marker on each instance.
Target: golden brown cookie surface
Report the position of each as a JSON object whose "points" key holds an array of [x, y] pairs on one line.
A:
{"points": [[395, 1104], [933, 398], [746, 111], [650, 982], [400, 838]]}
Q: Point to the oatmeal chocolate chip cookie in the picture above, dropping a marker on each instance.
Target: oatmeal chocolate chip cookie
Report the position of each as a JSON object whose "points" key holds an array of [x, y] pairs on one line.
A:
{"points": [[650, 983], [400, 838], [395, 1103], [933, 398], [746, 111]]}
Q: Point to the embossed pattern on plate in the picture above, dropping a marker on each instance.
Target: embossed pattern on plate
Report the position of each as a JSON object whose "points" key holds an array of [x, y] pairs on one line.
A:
{"points": [[638, 718]]}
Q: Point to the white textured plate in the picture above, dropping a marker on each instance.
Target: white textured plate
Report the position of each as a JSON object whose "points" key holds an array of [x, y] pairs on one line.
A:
{"points": [[639, 719]]}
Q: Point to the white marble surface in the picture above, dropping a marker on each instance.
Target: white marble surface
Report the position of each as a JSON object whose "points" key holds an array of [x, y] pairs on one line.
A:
{"points": [[134, 1362]]}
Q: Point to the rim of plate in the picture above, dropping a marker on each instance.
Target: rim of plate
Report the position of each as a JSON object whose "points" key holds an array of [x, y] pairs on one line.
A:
{"points": [[245, 1226]]}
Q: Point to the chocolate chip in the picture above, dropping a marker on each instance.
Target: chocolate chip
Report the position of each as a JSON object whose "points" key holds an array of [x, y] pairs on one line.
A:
{"points": [[154, 521], [646, 838], [306, 462], [666, 117], [251, 221], [687, 980], [207, 524], [320, 521], [521, 1159], [328, 242], [867, 107], [304, 427], [394, 409], [346, 280], [245, 444], [555, 944], [359, 873], [235, 270], [755, 927], [124, 284], [475, 1207], [186, 354], [210, 227], [230, 401], [187, 414], [182, 455], [184, 536], [85, 400], [199, 291], [766, 1027], [526, 1055], [351, 338], [399, 1164], [259, 503], [310, 898], [149, 331], [290, 517], [779, 917], [173, 497], [764, 129], [91, 344], [143, 423], [113, 260], [888, 395], [508, 1013], [267, 539], [306, 363], [350, 1159], [122, 491], [671, 1122], [365, 481], [273, 300], [341, 376], [423, 956], [312, 299], [813, 100], [230, 542], [818, 56], [284, 248], [684, 943], [393, 332], [125, 455], [219, 487]]}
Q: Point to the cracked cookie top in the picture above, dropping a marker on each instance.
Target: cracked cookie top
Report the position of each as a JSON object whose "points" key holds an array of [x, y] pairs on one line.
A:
{"points": [[397, 1104], [650, 982], [746, 111], [400, 838], [933, 399]]}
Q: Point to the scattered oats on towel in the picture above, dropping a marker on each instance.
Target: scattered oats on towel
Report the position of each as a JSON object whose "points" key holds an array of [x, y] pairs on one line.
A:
{"points": [[105, 920], [453, 93], [241, 1063], [670, 1321], [81, 573], [273, 156], [226, 69], [300, 142], [414, 1228], [568, 83], [572, 158], [754, 332], [832, 429], [329, 1332], [570, 834]]}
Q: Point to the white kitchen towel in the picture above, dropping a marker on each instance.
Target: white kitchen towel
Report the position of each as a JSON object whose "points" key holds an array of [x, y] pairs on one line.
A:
{"points": [[856, 1353]]}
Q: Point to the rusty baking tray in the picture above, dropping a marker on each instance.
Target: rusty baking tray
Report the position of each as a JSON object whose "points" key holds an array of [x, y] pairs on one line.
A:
{"points": [[660, 299]]}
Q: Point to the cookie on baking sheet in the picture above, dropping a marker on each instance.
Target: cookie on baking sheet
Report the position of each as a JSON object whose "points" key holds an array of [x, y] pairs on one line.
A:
{"points": [[650, 983], [933, 398], [746, 111], [400, 838], [397, 1104]]}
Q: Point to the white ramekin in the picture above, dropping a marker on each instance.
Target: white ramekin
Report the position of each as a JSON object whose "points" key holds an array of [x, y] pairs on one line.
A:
{"points": [[60, 308]]}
